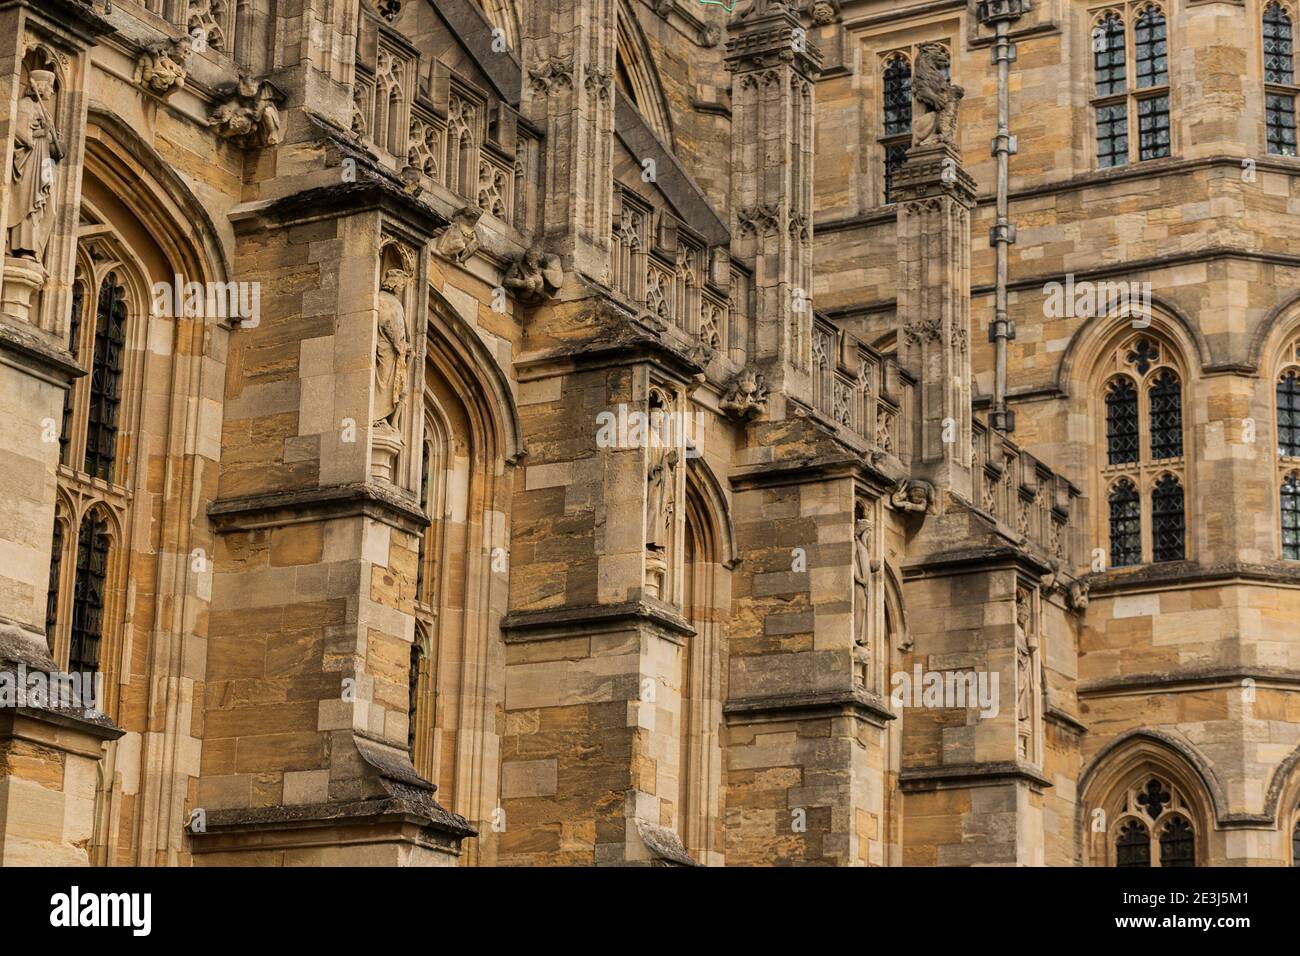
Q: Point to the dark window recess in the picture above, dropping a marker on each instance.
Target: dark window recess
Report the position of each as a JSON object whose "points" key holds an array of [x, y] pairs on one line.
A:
{"points": [[52, 595], [898, 97], [1133, 845], [1168, 522], [413, 695], [1288, 416], [895, 156], [74, 346], [106, 379], [425, 456], [1153, 127], [1125, 525], [1154, 798], [1112, 135], [1295, 845], [1177, 843], [1108, 55], [1166, 397], [1152, 53], [1291, 517], [1279, 119], [89, 594], [1121, 423], [1278, 64]]}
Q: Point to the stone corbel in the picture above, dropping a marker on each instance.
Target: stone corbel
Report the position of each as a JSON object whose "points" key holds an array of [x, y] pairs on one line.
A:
{"points": [[746, 396], [246, 113], [535, 277], [163, 66], [459, 241]]}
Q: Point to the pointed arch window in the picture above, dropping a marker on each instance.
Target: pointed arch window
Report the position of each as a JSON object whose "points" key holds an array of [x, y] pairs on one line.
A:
{"points": [[74, 346], [90, 593], [1177, 843], [1279, 80], [1288, 414], [1146, 60], [52, 594], [1153, 827], [1125, 525], [106, 379], [1290, 506], [1165, 405], [1133, 845], [1168, 523], [1121, 422], [896, 83], [1295, 844]]}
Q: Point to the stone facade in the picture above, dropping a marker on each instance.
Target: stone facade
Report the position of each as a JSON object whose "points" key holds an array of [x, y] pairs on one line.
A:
{"points": [[562, 433]]}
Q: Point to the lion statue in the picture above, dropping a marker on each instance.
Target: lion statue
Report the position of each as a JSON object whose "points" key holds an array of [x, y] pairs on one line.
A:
{"points": [[934, 98]]}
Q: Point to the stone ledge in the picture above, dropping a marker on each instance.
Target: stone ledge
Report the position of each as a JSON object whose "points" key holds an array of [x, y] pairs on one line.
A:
{"points": [[24, 348], [1166, 682], [988, 774], [797, 706], [1179, 574], [521, 626], [315, 504]]}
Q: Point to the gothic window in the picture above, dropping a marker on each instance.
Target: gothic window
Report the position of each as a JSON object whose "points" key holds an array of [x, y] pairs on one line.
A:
{"points": [[897, 133], [1144, 469], [413, 696], [106, 379], [1279, 80], [89, 593], [1125, 525], [1153, 825], [1144, 58], [52, 594], [1168, 531], [1166, 409], [74, 346], [1133, 845], [1121, 422], [1290, 505], [1295, 844], [1288, 415]]}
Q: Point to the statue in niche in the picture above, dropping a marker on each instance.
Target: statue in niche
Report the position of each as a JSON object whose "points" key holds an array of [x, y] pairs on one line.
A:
{"points": [[746, 396], [863, 569], [1025, 662], [392, 352], [37, 151], [161, 68], [534, 277], [912, 495], [934, 98], [460, 240]]}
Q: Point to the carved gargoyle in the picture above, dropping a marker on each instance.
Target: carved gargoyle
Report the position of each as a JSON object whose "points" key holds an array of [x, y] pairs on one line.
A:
{"points": [[746, 395], [1078, 596], [460, 240], [246, 113], [934, 98], [164, 65], [913, 495], [534, 277]]}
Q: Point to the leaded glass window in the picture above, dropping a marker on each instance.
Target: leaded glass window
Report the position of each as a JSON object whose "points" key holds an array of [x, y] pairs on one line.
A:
{"points": [[1112, 135], [74, 346], [1108, 57], [1151, 50], [1290, 507], [413, 695], [89, 593], [1166, 410], [1177, 843], [1133, 845], [1125, 525], [1279, 118], [52, 595], [1288, 415], [1153, 127], [106, 379], [1278, 64], [897, 85], [1121, 422], [1168, 522]]}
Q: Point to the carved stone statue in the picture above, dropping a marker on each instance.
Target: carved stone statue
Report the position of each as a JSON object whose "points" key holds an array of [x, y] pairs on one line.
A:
{"points": [[912, 495], [534, 277], [392, 351], [460, 240], [37, 151], [1024, 674], [163, 65], [746, 396], [863, 568], [934, 98], [247, 115], [1078, 596]]}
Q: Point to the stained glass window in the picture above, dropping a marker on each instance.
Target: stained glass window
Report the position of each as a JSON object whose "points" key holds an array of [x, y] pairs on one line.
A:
{"points": [[1177, 843], [1168, 522], [1125, 525], [1133, 845], [1121, 422], [89, 596], [106, 379], [1166, 400]]}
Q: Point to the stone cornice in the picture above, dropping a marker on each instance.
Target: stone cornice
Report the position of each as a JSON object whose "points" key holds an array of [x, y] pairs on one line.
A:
{"points": [[382, 502], [1187, 679], [971, 560], [568, 621], [1178, 575], [27, 350], [68, 17], [809, 704], [986, 774]]}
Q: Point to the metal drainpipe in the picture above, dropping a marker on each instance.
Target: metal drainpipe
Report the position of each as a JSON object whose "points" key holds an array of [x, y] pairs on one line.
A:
{"points": [[1000, 14]]}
